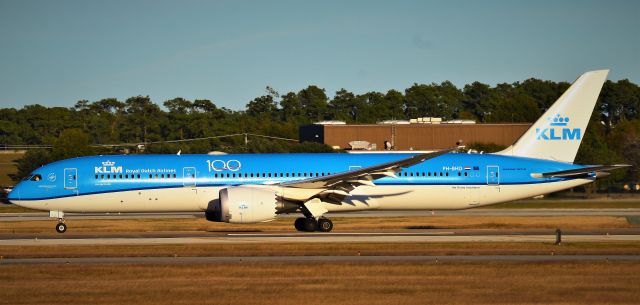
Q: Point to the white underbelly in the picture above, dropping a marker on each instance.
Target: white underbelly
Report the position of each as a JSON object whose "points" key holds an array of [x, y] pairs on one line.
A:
{"points": [[449, 197], [184, 199], [390, 197]]}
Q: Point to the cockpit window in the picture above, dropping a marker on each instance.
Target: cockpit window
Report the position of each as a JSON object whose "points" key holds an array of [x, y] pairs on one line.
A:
{"points": [[27, 178], [36, 178]]}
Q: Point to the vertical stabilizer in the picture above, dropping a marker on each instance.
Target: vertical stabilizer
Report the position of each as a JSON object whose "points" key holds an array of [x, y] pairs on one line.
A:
{"points": [[558, 133]]}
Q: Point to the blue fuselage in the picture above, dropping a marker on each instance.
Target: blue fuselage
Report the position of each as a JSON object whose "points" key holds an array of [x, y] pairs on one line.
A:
{"points": [[117, 173]]}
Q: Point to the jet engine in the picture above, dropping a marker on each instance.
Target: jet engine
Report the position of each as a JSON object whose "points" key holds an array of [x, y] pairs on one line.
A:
{"points": [[244, 204]]}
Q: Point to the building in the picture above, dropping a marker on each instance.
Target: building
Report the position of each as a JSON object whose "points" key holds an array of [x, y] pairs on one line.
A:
{"points": [[413, 135]]}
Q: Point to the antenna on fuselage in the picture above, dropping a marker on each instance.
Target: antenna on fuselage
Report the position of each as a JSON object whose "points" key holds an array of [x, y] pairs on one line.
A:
{"points": [[179, 152]]}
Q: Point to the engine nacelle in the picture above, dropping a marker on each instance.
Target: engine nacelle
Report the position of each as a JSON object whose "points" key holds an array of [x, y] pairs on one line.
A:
{"points": [[244, 204]]}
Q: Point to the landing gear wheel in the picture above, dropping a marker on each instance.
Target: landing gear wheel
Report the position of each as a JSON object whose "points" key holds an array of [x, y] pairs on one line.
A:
{"points": [[299, 223], [325, 225], [310, 224], [61, 227]]}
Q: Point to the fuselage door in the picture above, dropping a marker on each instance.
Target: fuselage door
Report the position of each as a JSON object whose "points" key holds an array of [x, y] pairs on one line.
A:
{"points": [[493, 175], [70, 178], [189, 176]]}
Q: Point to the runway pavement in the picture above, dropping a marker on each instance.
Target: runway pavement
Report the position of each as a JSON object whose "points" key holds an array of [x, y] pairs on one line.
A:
{"points": [[323, 259], [403, 236], [470, 212]]}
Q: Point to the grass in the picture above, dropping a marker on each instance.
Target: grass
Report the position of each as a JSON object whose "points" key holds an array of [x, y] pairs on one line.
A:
{"points": [[340, 224], [319, 249], [10, 208], [323, 283]]}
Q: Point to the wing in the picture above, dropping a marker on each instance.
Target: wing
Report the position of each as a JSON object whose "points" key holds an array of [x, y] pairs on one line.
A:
{"points": [[600, 170], [344, 182]]}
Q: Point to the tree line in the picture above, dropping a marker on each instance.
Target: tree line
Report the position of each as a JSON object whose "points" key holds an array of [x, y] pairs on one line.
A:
{"points": [[613, 135]]}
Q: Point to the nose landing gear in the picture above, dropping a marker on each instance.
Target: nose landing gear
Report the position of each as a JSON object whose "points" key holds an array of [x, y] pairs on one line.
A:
{"points": [[310, 224], [60, 227]]}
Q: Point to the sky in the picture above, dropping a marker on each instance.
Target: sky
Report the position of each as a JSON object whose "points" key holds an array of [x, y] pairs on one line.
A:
{"points": [[55, 53]]}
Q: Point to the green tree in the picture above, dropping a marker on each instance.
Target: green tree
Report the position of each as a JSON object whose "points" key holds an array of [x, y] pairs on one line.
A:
{"points": [[179, 116], [144, 119], [313, 101], [480, 100], [71, 143], [263, 106], [346, 106], [32, 160]]}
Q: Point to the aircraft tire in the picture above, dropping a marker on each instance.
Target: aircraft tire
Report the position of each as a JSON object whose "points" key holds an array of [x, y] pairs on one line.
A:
{"points": [[310, 225], [61, 227], [325, 225], [299, 223]]}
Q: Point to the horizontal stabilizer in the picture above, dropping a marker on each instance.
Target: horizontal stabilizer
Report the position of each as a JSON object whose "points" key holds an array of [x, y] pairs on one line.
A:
{"points": [[574, 173]]}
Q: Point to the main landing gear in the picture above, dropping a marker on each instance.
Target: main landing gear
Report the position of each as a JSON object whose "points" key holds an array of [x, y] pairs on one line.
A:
{"points": [[310, 224]]}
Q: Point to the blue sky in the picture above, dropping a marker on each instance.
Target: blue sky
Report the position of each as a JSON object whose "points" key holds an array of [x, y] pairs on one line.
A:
{"points": [[57, 52]]}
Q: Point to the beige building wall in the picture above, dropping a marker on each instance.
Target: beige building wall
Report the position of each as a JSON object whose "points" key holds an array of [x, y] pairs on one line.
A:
{"points": [[423, 136]]}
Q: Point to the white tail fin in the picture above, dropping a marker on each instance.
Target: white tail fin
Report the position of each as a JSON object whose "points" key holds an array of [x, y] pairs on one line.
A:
{"points": [[558, 133]]}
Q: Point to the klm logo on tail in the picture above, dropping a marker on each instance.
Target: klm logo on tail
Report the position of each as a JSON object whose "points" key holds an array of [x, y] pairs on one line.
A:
{"points": [[558, 130]]}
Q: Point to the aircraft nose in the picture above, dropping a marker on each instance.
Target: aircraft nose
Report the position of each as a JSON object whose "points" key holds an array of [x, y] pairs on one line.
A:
{"points": [[14, 194]]}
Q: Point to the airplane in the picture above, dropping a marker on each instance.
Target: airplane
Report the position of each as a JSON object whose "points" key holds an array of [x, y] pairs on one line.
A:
{"points": [[252, 188]]}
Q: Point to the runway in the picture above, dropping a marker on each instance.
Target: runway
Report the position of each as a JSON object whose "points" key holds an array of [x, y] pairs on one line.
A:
{"points": [[322, 259], [404, 236], [36, 216]]}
